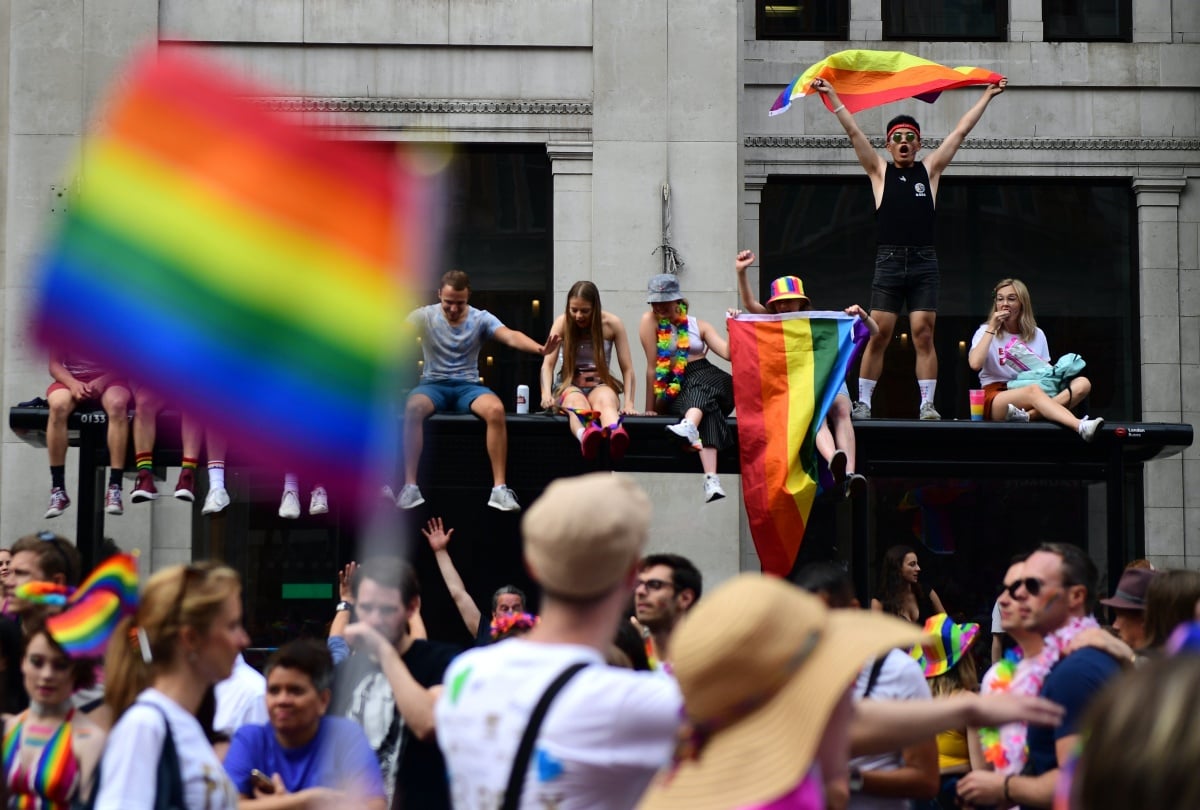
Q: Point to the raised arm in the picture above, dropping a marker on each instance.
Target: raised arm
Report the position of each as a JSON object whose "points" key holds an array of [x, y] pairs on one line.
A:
{"points": [[940, 158], [625, 362], [858, 312], [523, 342], [548, 363], [871, 161], [649, 341], [750, 301], [439, 541]]}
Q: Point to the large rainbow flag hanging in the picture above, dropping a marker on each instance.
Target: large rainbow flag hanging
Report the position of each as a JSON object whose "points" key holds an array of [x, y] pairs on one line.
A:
{"points": [[786, 371], [865, 79], [252, 271]]}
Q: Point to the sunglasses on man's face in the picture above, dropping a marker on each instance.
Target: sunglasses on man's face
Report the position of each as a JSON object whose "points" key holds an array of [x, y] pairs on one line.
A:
{"points": [[654, 585], [1032, 585], [902, 137]]}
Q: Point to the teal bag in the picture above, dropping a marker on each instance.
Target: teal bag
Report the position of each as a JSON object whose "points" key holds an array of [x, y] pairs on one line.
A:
{"points": [[1052, 379]]}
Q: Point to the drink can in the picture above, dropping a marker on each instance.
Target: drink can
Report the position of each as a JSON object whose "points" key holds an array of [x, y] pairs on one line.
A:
{"points": [[522, 399]]}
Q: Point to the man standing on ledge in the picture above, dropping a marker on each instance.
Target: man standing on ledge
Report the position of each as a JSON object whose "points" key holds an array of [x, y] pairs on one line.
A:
{"points": [[906, 268]]}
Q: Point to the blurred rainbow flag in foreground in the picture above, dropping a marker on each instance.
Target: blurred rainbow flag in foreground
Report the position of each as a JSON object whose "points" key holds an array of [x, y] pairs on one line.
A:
{"points": [[251, 271], [91, 612], [786, 371], [865, 79]]}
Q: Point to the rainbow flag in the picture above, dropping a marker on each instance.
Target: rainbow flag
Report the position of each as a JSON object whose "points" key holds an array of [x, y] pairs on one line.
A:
{"points": [[108, 594], [786, 371], [865, 79], [252, 271]]}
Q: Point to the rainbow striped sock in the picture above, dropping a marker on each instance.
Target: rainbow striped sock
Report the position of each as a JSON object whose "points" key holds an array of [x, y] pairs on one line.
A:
{"points": [[145, 461], [190, 463]]}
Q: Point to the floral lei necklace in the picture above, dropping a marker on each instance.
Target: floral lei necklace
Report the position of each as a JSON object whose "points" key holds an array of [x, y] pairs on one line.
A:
{"points": [[1005, 747], [668, 369]]}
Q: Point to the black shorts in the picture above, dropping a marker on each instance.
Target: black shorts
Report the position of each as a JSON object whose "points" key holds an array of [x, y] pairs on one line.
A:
{"points": [[905, 274]]}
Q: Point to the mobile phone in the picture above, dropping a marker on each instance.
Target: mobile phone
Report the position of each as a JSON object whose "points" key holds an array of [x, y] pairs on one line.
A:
{"points": [[261, 781]]}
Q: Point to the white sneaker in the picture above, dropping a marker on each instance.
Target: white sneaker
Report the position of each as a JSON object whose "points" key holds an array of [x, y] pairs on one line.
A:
{"points": [[410, 497], [503, 499], [1016, 414], [318, 504], [929, 413], [289, 507], [688, 432], [712, 489], [215, 501], [385, 492], [1088, 427]]}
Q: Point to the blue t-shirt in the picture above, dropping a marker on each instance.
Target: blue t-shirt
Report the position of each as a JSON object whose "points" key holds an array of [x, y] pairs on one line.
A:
{"points": [[338, 757], [1072, 683], [452, 352]]}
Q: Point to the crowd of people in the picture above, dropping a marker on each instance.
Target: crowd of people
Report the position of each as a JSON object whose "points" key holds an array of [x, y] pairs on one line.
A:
{"points": [[631, 686]]}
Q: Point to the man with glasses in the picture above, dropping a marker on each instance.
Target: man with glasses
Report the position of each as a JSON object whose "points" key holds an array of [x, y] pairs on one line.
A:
{"points": [[1055, 595], [906, 268], [668, 586]]}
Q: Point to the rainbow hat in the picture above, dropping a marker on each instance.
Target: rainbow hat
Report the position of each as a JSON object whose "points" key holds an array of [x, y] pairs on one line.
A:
{"points": [[787, 287], [944, 645]]}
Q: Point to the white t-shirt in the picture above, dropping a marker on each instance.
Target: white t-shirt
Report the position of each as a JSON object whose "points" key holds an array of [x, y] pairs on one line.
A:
{"points": [[131, 757], [900, 678], [996, 626], [241, 699], [992, 371], [606, 734]]}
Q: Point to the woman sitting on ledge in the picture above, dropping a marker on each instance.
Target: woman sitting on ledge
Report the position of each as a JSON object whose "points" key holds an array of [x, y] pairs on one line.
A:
{"points": [[1012, 319]]}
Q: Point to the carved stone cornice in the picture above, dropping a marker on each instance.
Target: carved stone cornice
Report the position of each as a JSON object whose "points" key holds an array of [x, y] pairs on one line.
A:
{"points": [[1082, 144], [426, 105]]}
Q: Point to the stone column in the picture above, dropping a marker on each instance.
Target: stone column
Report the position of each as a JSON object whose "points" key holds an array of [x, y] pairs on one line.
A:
{"points": [[1159, 295], [571, 165], [1025, 21], [866, 20]]}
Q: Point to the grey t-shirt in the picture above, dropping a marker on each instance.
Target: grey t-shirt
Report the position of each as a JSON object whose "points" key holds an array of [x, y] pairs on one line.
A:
{"points": [[452, 352]]}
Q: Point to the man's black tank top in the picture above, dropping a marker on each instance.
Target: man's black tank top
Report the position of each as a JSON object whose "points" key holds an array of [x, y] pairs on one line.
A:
{"points": [[905, 215]]}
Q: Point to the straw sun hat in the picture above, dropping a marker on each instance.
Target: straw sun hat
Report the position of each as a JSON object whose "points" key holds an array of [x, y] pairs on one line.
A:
{"points": [[762, 665]]}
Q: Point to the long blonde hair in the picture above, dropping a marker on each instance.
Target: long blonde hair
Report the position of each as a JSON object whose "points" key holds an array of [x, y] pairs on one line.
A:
{"points": [[573, 336], [1027, 325], [174, 598]]}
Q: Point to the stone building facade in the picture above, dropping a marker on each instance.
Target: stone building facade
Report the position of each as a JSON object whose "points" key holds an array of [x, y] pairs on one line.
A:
{"points": [[626, 96]]}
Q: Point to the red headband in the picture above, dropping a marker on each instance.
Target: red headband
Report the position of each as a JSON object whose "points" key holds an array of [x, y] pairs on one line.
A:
{"points": [[903, 125]]}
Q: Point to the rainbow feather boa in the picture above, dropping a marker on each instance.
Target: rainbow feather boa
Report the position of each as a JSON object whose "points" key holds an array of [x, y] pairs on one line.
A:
{"points": [[668, 368]]}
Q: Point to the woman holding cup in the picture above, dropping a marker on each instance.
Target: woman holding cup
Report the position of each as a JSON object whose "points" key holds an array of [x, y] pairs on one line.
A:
{"points": [[1010, 322]]}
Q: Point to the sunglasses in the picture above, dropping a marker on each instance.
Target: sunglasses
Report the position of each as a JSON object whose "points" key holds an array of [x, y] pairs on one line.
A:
{"points": [[654, 585], [902, 137], [1032, 586]]}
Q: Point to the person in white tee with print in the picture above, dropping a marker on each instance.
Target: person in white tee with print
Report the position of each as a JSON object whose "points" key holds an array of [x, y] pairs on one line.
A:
{"points": [[1012, 318], [609, 729], [184, 638]]}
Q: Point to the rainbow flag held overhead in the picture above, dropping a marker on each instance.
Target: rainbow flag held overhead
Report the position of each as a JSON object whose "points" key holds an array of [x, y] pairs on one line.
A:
{"points": [[865, 79], [253, 272], [786, 371]]}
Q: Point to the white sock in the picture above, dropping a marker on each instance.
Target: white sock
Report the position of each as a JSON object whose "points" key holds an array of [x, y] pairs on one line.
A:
{"points": [[928, 387], [866, 390], [291, 483], [216, 475], [579, 434]]}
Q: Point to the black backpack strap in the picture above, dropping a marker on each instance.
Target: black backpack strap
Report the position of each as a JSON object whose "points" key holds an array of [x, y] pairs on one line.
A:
{"points": [[516, 779], [168, 794], [876, 668]]}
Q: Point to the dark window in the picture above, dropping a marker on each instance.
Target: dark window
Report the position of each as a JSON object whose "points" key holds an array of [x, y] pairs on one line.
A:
{"points": [[803, 19], [945, 19], [1087, 20], [1071, 242]]}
